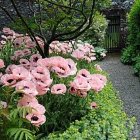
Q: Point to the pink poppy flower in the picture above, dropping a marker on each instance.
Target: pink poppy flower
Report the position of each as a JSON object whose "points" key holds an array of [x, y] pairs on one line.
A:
{"points": [[72, 90], [97, 82], [21, 73], [84, 74], [62, 70], [25, 100], [42, 91], [84, 49], [42, 85], [25, 63], [28, 42], [82, 94], [7, 31], [18, 42], [37, 108], [10, 68], [9, 80], [3, 104], [60, 66], [80, 84], [58, 89], [26, 52], [101, 77], [35, 57], [93, 105], [27, 87], [72, 66], [19, 53], [78, 54], [97, 67], [1, 64], [36, 119], [44, 63], [40, 73]]}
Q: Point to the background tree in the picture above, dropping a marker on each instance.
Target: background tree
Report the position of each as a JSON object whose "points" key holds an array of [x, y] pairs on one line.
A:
{"points": [[61, 20], [55, 20]]}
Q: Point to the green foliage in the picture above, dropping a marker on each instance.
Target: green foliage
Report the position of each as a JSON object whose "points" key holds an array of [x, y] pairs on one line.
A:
{"points": [[130, 55], [95, 35], [134, 25], [20, 134], [108, 121], [6, 51], [100, 53], [12, 122], [136, 66], [103, 4]]}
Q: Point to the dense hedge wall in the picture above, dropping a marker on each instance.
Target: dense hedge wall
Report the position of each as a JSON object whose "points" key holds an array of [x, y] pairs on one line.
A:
{"points": [[131, 54]]}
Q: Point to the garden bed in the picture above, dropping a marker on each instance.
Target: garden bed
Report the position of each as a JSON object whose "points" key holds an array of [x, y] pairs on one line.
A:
{"points": [[65, 96]]}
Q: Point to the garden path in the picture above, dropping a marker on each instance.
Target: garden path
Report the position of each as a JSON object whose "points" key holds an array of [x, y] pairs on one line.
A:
{"points": [[127, 85]]}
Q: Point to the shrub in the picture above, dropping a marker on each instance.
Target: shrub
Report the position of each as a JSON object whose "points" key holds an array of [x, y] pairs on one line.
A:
{"points": [[95, 35], [129, 55], [136, 66]]}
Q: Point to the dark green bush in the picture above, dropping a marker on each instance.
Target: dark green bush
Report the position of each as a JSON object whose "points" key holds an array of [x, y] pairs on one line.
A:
{"points": [[129, 55], [137, 66]]}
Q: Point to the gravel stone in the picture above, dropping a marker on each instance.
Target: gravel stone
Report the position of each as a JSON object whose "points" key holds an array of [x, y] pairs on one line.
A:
{"points": [[128, 86]]}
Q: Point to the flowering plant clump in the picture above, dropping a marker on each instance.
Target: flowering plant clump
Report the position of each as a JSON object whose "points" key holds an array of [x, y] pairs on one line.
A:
{"points": [[43, 95], [78, 50], [24, 47]]}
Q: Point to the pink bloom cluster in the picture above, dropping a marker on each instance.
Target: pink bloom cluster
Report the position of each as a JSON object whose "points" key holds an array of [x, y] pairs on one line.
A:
{"points": [[32, 78], [18, 41], [78, 50], [60, 47], [84, 81], [2, 65], [84, 51]]}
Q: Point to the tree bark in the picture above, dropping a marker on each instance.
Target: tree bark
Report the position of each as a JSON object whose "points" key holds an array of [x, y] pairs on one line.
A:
{"points": [[46, 49]]}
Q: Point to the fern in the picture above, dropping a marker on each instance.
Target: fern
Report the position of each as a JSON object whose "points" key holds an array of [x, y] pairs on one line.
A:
{"points": [[20, 134], [20, 112]]}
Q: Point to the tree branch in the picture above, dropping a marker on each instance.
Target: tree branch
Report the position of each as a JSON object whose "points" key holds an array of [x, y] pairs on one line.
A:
{"points": [[7, 13], [81, 32], [29, 30]]}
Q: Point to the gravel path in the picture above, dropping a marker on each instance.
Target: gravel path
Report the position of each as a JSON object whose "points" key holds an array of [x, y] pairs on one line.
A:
{"points": [[128, 86]]}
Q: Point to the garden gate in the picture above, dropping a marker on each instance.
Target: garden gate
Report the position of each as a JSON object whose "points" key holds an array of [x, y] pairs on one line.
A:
{"points": [[115, 33]]}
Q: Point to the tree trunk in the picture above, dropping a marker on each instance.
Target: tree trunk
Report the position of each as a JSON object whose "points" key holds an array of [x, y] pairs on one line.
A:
{"points": [[46, 49]]}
